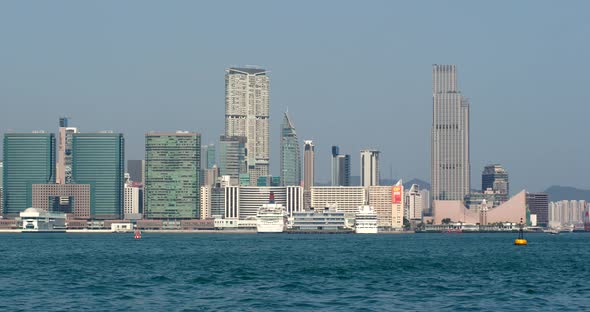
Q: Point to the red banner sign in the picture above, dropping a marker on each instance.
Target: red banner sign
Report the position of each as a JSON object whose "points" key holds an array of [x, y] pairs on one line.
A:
{"points": [[396, 194]]}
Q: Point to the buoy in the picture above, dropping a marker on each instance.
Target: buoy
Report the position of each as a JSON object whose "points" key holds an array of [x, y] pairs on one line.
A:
{"points": [[520, 240]]}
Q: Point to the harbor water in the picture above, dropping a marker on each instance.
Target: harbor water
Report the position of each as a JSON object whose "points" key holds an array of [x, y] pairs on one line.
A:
{"points": [[294, 272]]}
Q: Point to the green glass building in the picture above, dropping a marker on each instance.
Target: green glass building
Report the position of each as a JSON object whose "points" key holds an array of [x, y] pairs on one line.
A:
{"points": [[172, 175], [232, 158], [210, 156], [290, 154], [98, 159], [29, 158]]}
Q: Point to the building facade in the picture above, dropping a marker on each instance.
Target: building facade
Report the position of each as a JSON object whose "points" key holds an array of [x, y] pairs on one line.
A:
{"points": [[290, 154], [136, 170], [205, 202], [495, 178], [250, 198], [173, 165], [414, 203], [450, 165], [64, 151], [309, 164], [210, 176], [49, 197], [567, 212], [133, 201], [98, 159], [210, 156], [343, 198], [388, 203], [247, 114], [538, 203], [340, 168], [232, 157], [369, 168], [29, 158]]}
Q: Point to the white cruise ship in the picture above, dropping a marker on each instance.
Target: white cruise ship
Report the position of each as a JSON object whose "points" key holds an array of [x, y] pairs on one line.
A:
{"points": [[366, 221], [271, 217]]}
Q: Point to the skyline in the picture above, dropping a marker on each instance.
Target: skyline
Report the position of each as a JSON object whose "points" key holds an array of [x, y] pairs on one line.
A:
{"points": [[528, 78]]}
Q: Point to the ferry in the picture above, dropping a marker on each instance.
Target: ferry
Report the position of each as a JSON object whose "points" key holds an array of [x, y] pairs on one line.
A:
{"points": [[271, 217], [366, 221]]}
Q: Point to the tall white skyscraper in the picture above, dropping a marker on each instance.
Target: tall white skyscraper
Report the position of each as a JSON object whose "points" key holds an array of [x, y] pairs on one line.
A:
{"points": [[369, 168], [247, 115], [450, 166]]}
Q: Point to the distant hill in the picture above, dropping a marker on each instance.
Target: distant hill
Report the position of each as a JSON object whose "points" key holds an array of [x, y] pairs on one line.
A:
{"points": [[557, 193], [422, 184]]}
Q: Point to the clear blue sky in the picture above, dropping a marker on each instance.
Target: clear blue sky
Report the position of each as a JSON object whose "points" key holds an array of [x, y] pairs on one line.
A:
{"points": [[356, 74]]}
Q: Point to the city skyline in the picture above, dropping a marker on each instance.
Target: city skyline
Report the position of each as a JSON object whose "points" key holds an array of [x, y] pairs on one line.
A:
{"points": [[542, 80]]}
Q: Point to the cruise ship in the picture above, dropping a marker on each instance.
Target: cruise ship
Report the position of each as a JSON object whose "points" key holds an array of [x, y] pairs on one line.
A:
{"points": [[271, 217], [366, 221]]}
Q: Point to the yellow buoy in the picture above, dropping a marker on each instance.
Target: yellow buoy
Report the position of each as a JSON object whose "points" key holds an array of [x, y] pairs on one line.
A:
{"points": [[520, 241]]}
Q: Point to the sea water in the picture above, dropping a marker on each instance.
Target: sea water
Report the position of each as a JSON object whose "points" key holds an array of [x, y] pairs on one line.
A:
{"points": [[293, 272]]}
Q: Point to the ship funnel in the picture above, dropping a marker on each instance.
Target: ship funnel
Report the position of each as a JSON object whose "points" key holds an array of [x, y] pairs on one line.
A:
{"points": [[271, 198]]}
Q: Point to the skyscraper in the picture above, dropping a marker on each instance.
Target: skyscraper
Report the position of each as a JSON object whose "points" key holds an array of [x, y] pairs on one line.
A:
{"points": [[99, 160], [232, 157], [309, 170], [414, 203], [64, 151], [369, 168], [450, 167], [136, 170], [290, 154], [495, 177], [340, 168], [210, 156], [172, 186], [29, 158], [247, 115], [538, 203]]}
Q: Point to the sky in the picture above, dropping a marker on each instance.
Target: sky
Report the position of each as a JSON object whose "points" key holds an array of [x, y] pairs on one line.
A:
{"points": [[351, 73]]}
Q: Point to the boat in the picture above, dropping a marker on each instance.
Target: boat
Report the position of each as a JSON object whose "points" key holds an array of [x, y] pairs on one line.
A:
{"points": [[553, 231], [137, 234], [271, 217], [366, 221]]}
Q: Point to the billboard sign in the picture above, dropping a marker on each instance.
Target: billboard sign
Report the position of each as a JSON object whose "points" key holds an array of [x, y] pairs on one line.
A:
{"points": [[396, 194]]}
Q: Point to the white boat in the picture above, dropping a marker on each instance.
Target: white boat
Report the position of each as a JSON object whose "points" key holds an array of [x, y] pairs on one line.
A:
{"points": [[271, 217], [366, 220]]}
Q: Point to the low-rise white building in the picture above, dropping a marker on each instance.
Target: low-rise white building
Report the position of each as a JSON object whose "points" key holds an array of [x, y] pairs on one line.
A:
{"points": [[38, 220], [122, 227]]}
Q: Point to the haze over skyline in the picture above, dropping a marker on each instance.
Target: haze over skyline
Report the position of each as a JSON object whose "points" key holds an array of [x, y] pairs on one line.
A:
{"points": [[357, 75]]}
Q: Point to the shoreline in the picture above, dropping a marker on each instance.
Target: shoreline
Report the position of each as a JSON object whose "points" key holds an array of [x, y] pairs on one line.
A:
{"points": [[81, 231]]}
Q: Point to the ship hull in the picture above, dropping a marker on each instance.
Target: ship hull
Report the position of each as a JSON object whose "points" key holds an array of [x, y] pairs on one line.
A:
{"points": [[270, 228]]}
